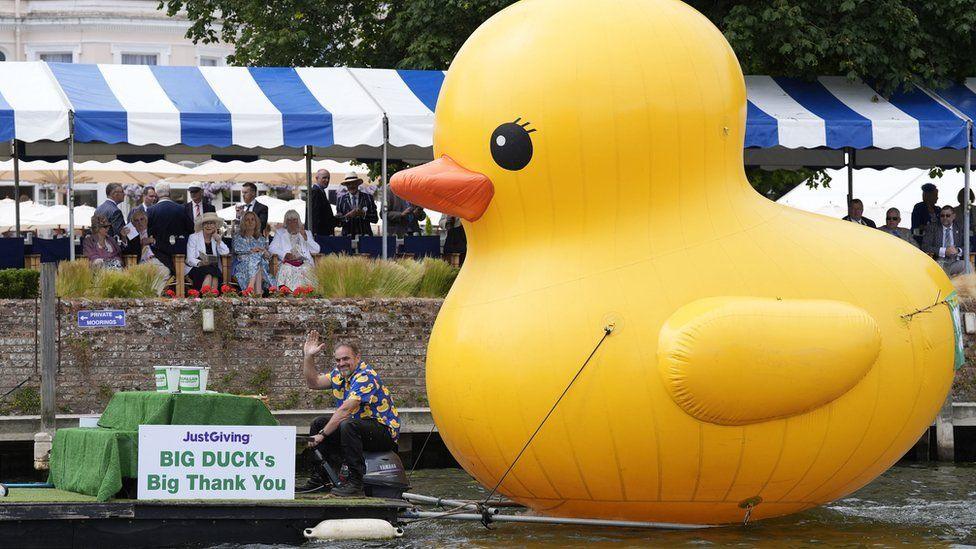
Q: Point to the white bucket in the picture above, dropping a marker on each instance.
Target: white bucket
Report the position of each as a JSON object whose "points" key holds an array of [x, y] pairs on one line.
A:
{"points": [[193, 379], [88, 422], [167, 379]]}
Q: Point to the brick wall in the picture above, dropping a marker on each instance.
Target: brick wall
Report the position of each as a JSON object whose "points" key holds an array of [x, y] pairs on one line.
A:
{"points": [[255, 348]]}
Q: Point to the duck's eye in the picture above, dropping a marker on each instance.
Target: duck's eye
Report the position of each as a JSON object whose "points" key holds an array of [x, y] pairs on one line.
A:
{"points": [[511, 145]]}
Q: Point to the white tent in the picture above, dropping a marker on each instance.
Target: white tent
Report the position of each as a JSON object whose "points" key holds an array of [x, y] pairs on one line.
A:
{"points": [[878, 190]]}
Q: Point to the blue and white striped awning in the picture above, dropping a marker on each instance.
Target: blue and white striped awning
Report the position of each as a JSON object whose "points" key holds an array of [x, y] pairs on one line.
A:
{"points": [[271, 108], [217, 106], [835, 113]]}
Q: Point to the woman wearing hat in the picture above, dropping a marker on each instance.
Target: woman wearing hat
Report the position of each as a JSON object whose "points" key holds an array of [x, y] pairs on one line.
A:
{"points": [[101, 249], [203, 251], [295, 246]]}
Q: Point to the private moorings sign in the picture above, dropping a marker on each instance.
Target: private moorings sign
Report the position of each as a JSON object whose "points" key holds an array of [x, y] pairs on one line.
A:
{"points": [[101, 319], [216, 462]]}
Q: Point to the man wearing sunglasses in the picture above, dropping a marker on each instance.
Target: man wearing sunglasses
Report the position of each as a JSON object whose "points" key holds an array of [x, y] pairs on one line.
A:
{"points": [[943, 241], [892, 219]]}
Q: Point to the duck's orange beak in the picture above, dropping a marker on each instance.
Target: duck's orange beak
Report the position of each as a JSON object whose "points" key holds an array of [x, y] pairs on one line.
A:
{"points": [[444, 186]]}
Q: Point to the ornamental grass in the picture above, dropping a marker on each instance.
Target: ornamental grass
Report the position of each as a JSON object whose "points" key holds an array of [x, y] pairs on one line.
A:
{"points": [[358, 276], [76, 279]]}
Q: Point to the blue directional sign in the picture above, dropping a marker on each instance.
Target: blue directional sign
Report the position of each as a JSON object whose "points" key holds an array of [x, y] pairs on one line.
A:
{"points": [[101, 319]]}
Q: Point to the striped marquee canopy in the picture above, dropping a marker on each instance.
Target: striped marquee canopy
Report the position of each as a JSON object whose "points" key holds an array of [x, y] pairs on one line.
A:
{"points": [[273, 108]]}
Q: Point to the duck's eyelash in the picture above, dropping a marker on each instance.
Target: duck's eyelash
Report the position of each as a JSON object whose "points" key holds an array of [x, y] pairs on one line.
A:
{"points": [[525, 125]]}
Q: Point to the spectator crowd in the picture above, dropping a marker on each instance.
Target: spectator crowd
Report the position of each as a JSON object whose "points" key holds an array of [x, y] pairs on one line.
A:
{"points": [[937, 231], [157, 224]]}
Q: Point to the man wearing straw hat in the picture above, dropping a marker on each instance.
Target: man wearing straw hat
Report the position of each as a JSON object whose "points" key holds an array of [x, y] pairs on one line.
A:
{"points": [[356, 210]]}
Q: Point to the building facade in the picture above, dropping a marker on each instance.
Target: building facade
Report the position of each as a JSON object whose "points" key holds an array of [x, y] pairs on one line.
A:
{"points": [[100, 31]]}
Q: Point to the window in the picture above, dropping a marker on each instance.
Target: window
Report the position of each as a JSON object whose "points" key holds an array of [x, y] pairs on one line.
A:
{"points": [[46, 196], [3, 57], [57, 57], [235, 197], [209, 62], [139, 58], [86, 198]]}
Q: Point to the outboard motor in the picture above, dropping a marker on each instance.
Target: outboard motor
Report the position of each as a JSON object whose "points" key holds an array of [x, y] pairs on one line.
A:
{"points": [[385, 475]]}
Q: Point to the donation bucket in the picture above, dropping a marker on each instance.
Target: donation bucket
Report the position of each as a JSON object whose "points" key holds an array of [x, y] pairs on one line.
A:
{"points": [[167, 379], [193, 379]]}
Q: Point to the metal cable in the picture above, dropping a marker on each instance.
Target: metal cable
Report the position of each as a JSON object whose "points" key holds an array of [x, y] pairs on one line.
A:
{"points": [[423, 447], [607, 330]]}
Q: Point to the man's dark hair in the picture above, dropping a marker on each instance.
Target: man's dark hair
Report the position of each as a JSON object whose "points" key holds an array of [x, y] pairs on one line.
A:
{"points": [[351, 346], [148, 188], [948, 207], [251, 186], [111, 188], [856, 201]]}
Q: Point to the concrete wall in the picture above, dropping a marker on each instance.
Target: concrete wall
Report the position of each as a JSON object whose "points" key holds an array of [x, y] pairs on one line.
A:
{"points": [[255, 348]]}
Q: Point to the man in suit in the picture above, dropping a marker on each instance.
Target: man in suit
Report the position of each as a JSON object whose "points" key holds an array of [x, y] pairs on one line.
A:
{"points": [[167, 222], [356, 210], [110, 209], [943, 241], [323, 219], [249, 193], [148, 199], [855, 214], [404, 218], [196, 206]]}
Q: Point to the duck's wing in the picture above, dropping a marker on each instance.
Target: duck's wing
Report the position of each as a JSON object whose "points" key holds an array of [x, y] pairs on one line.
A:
{"points": [[742, 360]]}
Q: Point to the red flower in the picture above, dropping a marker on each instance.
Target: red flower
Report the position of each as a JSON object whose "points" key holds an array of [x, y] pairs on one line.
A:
{"points": [[225, 288], [272, 290], [193, 293], [284, 290], [205, 289], [247, 292], [171, 293], [213, 291]]}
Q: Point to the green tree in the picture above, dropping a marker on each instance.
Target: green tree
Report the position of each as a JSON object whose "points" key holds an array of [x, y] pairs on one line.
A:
{"points": [[407, 34], [889, 42]]}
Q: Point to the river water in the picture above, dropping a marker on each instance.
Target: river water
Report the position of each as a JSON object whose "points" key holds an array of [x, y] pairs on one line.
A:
{"points": [[915, 505]]}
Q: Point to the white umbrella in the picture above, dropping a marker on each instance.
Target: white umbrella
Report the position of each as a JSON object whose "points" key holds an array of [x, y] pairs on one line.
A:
{"points": [[115, 171], [276, 209], [56, 217], [279, 172]]}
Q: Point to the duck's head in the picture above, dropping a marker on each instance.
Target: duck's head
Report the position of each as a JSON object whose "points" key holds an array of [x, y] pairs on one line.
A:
{"points": [[555, 110]]}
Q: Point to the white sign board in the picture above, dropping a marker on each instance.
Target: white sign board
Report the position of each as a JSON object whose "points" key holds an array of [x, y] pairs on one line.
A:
{"points": [[216, 462]]}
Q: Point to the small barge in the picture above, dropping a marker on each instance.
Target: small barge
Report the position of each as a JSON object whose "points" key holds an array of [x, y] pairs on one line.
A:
{"points": [[49, 518]]}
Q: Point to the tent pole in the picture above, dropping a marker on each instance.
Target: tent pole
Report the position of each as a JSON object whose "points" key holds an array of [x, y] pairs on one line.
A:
{"points": [[70, 198], [308, 187], [383, 200], [16, 156], [850, 178], [965, 208]]}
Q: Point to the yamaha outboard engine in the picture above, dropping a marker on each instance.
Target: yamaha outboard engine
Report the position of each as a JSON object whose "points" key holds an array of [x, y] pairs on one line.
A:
{"points": [[385, 476]]}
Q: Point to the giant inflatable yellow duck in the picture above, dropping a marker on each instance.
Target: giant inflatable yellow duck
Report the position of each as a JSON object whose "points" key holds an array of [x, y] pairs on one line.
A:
{"points": [[762, 359]]}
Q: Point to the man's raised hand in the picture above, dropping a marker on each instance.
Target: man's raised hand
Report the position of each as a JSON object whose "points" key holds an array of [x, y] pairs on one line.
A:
{"points": [[312, 345]]}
